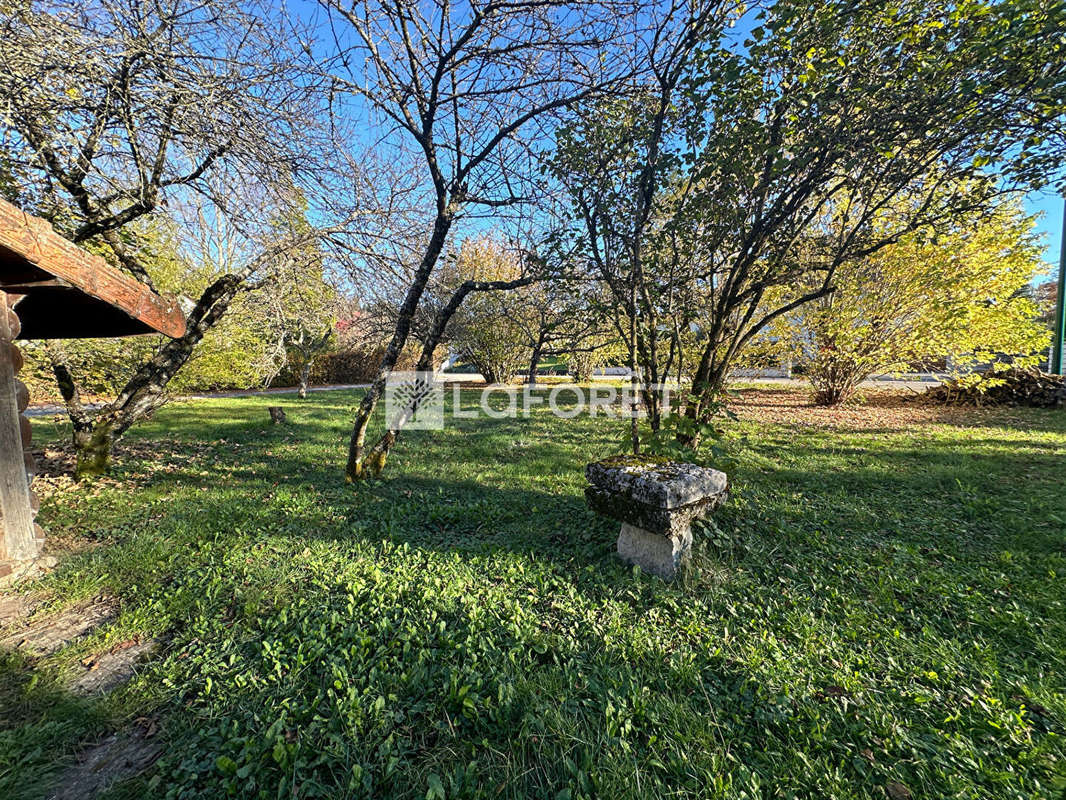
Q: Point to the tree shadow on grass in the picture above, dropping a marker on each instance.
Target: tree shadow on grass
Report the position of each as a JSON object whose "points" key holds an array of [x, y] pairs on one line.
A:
{"points": [[525, 709], [891, 543], [937, 489], [955, 542], [942, 515]]}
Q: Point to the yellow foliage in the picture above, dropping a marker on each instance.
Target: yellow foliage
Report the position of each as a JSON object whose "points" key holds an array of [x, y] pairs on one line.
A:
{"points": [[964, 297]]}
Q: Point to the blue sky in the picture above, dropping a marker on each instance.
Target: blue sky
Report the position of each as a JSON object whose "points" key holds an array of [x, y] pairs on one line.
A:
{"points": [[1049, 203]]}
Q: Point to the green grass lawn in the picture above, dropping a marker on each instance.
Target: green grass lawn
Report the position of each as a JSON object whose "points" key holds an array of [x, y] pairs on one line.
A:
{"points": [[872, 606]]}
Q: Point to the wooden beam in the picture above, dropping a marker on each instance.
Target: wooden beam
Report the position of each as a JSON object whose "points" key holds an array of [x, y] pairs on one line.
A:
{"points": [[32, 240], [22, 287], [19, 541]]}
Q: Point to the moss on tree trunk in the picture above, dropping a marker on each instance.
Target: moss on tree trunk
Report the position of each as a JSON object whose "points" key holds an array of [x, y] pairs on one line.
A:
{"points": [[93, 450]]}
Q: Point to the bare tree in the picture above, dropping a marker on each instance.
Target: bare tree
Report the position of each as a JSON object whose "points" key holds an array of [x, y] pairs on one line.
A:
{"points": [[242, 267], [113, 109], [303, 308], [463, 86], [556, 318], [620, 166]]}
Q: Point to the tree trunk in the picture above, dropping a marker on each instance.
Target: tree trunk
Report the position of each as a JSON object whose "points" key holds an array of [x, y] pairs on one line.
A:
{"points": [[650, 389], [707, 385], [531, 377], [305, 375], [834, 387], [634, 381], [92, 443], [94, 436], [378, 455], [93, 449], [359, 466]]}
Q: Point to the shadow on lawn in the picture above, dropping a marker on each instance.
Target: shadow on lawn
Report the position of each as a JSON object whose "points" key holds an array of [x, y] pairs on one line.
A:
{"points": [[883, 542], [534, 706], [881, 528], [432, 514], [961, 505], [439, 512]]}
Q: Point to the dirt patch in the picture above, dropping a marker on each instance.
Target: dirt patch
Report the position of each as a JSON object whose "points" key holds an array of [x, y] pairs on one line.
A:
{"points": [[57, 460], [119, 757], [55, 474], [878, 409], [112, 668], [49, 634]]}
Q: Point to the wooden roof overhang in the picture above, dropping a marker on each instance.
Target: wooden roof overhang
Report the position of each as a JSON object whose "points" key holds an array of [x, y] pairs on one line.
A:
{"points": [[60, 291]]}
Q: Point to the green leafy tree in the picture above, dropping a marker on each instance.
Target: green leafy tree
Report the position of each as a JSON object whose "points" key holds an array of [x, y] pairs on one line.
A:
{"points": [[800, 141], [623, 164], [488, 329]]}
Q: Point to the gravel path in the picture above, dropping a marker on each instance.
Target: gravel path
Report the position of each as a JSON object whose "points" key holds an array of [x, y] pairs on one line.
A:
{"points": [[50, 409], [918, 383]]}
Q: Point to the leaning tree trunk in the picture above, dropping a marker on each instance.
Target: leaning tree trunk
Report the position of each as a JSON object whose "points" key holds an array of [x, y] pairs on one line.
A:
{"points": [[379, 453], [91, 455], [367, 464], [305, 377], [95, 434]]}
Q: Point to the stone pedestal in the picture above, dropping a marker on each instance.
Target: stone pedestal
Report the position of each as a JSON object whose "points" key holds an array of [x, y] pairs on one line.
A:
{"points": [[656, 501], [655, 553]]}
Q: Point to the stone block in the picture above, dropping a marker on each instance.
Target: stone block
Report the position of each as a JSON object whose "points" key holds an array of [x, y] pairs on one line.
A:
{"points": [[656, 500], [652, 552], [657, 482]]}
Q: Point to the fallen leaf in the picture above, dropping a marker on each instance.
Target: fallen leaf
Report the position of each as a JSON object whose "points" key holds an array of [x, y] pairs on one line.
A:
{"points": [[830, 691]]}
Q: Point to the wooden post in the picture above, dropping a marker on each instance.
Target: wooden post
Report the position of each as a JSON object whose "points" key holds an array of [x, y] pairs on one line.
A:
{"points": [[20, 542]]}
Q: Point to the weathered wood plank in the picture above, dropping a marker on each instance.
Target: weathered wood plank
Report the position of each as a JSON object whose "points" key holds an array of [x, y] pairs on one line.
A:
{"points": [[32, 240], [16, 511]]}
